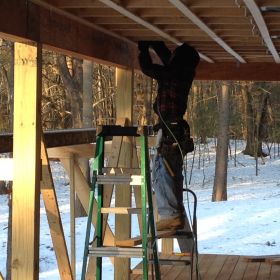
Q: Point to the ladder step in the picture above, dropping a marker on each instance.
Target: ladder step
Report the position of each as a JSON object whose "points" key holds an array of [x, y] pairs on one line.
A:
{"points": [[121, 170], [116, 252], [134, 180], [138, 239], [121, 210]]}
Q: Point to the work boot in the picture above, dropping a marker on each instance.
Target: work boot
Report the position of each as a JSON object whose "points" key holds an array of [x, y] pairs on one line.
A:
{"points": [[171, 223]]}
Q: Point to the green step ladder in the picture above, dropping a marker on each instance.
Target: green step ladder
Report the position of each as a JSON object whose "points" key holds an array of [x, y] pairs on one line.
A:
{"points": [[148, 251]]}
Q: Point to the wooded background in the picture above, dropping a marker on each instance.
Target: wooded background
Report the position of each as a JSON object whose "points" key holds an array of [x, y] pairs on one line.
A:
{"points": [[79, 93]]}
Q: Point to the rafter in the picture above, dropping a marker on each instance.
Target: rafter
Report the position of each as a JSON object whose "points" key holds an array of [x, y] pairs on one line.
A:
{"points": [[148, 25], [256, 13], [189, 14]]}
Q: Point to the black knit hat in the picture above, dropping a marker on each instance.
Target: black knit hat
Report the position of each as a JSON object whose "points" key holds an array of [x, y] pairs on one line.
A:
{"points": [[185, 56]]}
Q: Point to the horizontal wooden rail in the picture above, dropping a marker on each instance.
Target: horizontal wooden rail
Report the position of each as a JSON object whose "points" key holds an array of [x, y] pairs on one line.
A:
{"points": [[54, 138]]}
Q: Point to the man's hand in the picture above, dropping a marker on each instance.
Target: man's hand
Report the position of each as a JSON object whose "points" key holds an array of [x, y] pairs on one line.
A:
{"points": [[144, 45]]}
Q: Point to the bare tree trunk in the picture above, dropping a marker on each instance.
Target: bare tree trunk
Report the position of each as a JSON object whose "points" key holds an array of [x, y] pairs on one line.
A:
{"points": [[220, 181], [256, 119], [87, 122], [72, 76], [87, 93]]}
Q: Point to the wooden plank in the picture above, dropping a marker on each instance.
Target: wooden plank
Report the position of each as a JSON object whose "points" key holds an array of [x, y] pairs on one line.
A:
{"points": [[260, 22], [137, 272], [205, 264], [227, 268], [124, 108], [54, 138], [72, 216], [239, 269], [27, 165], [82, 190], [54, 219], [175, 271], [199, 261], [231, 71], [264, 271], [196, 20], [251, 271], [275, 272], [274, 261], [167, 246], [216, 267], [49, 25], [138, 239], [83, 150]]}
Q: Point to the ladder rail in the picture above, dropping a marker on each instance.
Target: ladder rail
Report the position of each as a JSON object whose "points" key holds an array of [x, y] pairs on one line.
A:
{"points": [[90, 213], [148, 223], [99, 224], [149, 196]]}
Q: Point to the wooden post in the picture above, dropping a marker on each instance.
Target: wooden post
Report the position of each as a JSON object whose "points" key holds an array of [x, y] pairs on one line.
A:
{"points": [[54, 219], [72, 215], [124, 108], [27, 165]]}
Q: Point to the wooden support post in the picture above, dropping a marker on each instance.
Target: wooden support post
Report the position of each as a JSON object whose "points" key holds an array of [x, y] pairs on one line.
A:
{"points": [[72, 216], [54, 219], [27, 165], [124, 108]]}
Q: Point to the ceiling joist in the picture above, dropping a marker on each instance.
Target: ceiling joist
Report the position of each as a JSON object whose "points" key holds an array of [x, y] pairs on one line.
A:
{"points": [[259, 20], [196, 20], [148, 25], [113, 40]]}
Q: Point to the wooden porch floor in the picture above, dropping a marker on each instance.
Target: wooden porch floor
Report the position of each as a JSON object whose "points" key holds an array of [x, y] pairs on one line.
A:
{"points": [[220, 267]]}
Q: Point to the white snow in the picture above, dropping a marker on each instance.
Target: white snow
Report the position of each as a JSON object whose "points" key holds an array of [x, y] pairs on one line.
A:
{"points": [[247, 224]]}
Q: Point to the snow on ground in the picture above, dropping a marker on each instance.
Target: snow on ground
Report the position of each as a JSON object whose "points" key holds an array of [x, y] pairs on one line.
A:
{"points": [[247, 224]]}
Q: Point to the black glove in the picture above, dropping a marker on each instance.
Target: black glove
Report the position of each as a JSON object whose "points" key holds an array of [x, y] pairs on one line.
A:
{"points": [[143, 45]]}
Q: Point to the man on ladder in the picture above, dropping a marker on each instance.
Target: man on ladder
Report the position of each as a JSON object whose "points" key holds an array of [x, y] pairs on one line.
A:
{"points": [[174, 77]]}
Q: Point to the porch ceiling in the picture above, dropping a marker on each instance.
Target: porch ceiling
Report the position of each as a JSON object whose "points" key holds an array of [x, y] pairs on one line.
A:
{"points": [[221, 30], [236, 39]]}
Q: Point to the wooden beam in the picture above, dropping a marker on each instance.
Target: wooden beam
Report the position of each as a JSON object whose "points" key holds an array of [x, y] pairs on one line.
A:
{"points": [[82, 190], [78, 151], [27, 164], [148, 25], [54, 138], [234, 71], [197, 21], [54, 219], [72, 215], [124, 109], [258, 18], [48, 25]]}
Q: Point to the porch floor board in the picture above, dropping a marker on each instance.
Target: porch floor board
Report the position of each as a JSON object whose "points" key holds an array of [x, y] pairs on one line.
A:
{"points": [[218, 267]]}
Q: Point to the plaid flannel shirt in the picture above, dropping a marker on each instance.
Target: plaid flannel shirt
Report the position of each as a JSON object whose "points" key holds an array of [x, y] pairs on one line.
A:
{"points": [[171, 101]]}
